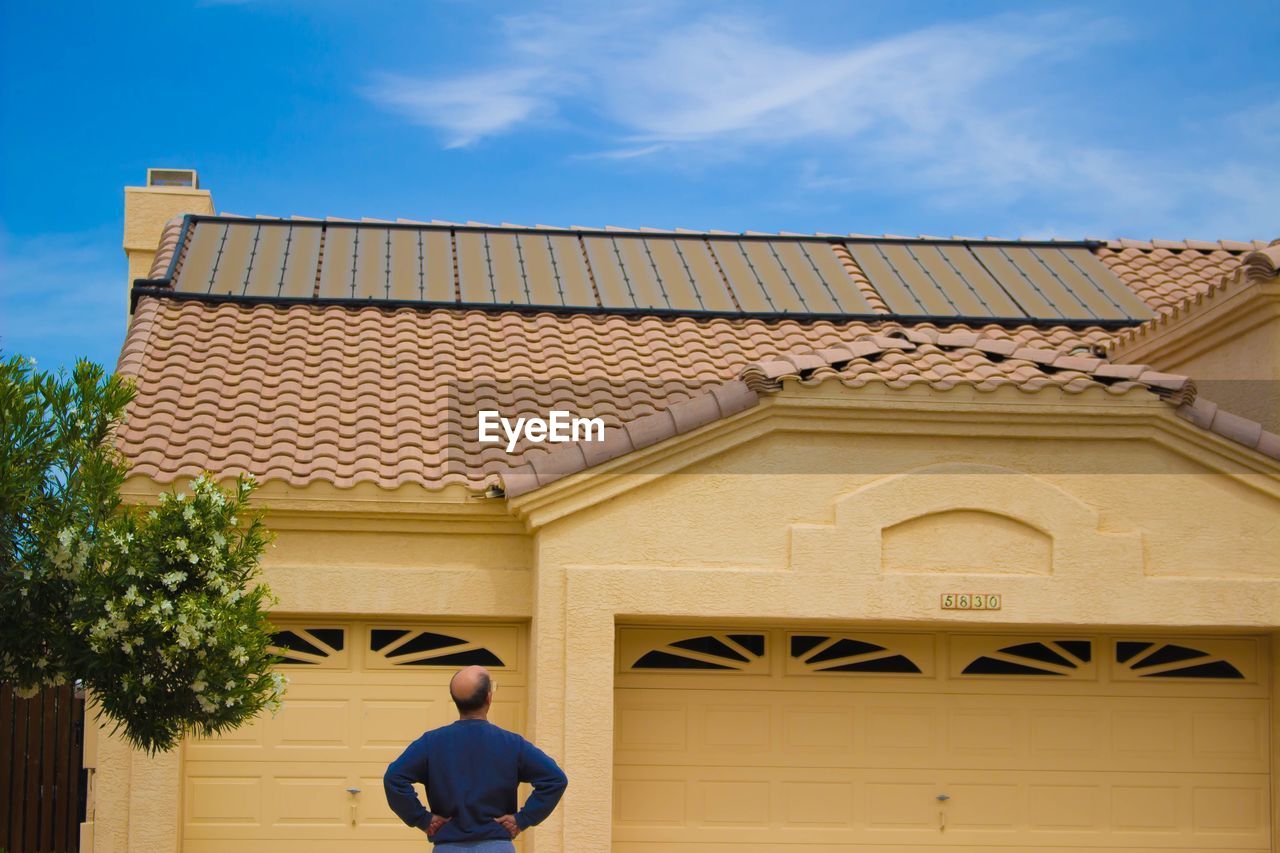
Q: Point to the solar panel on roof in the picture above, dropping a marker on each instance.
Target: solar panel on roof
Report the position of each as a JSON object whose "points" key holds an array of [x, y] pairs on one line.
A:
{"points": [[621, 270]]}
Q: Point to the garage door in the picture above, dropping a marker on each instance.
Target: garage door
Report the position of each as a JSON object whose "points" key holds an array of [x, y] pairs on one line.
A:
{"points": [[310, 778], [763, 740]]}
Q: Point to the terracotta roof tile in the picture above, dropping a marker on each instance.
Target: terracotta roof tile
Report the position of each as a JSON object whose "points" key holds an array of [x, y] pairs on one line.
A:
{"points": [[1208, 415], [885, 361], [300, 392], [1163, 276], [1258, 265]]}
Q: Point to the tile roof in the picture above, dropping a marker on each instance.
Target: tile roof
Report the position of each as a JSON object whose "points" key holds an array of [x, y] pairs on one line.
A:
{"points": [[1260, 265], [894, 357], [619, 270], [304, 392], [1166, 274], [299, 391]]}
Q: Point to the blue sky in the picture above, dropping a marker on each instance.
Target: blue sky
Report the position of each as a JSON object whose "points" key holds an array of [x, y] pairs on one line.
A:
{"points": [[1014, 119]]}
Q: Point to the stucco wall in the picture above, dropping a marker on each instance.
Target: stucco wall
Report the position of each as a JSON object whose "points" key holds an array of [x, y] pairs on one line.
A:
{"points": [[1230, 345], [782, 530], [1125, 523], [735, 512], [337, 560]]}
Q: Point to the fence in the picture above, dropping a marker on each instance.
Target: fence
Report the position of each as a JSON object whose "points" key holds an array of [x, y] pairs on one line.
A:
{"points": [[41, 796]]}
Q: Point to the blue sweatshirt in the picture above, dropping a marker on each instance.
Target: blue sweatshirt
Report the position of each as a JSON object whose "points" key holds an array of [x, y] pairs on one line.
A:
{"points": [[470, 769]]}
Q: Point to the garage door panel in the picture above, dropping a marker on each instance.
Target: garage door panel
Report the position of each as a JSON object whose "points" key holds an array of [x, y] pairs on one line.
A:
{"points": [[830, 731], [899, 804], [280, 784], [373, 810], [507, 713], [988, 735], [391, 723], [732, 801], [986, 806], [653, 727], [314, 724], [804, 803], [248, 737], [317, 801], [1065, 807], [727, 760], [1067, 737], [1235, 740], [733, 728], [224, 801]]}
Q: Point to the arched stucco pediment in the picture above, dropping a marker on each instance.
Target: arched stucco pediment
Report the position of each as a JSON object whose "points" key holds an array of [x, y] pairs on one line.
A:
{"points": [[966, 540], [958, 518]]}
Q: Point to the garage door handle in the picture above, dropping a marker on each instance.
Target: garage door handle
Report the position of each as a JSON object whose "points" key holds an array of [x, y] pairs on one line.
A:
{"points": [[353, 790], [942, 798]]}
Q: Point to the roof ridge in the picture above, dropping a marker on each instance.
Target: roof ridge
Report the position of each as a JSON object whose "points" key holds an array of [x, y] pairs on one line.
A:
{"points": [[1258, 266], [766, 376], [1181, 245], [170, 234]]}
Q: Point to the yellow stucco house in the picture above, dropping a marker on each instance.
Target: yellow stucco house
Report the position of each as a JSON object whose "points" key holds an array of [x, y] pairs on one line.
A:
{"points": [[892, 544]]}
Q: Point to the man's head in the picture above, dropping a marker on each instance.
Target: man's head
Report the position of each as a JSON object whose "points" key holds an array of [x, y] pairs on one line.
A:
{"points": [[471, 689]]}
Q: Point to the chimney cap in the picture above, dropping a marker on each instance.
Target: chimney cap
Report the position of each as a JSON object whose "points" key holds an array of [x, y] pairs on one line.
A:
{"points": [[173, 178]]}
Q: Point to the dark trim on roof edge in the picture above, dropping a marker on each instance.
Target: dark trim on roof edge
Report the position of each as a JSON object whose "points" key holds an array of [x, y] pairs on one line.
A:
{"points": [[160, 288], [172, 269], [191, 218]]}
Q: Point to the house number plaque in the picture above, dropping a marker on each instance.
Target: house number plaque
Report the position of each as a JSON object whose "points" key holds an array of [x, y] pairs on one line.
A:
{"points": [[970, 601]]}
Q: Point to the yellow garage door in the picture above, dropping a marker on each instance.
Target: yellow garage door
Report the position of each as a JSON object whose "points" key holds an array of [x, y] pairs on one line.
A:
{"points": [[310, 778], [764, 740]]}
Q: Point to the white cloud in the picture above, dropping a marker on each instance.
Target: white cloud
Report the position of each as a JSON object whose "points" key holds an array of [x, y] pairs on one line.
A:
{"points": [[469, 108], [961, 114]]}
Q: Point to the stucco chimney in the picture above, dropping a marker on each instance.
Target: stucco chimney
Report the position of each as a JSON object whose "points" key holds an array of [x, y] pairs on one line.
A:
{"points": [[168, 193]]}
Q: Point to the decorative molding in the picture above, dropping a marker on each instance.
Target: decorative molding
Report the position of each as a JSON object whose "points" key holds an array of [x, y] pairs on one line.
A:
{"points": [[855, 536]]}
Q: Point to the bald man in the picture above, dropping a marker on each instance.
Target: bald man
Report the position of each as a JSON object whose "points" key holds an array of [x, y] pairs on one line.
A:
{"points": [[471, 769]]}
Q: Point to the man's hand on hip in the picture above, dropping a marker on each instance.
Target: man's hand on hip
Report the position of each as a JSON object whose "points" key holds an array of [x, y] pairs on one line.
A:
{"points": [[509, 822], [436, 823]]}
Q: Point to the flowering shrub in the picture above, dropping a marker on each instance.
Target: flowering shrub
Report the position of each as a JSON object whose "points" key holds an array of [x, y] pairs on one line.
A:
{"points": [[157, 610], [176, 627]]}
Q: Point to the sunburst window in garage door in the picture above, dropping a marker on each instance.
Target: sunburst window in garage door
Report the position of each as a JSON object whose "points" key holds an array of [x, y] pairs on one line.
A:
{"points": [[1154, 659], [406, 647], [667, 650], [315, 646], [1034, 657], [880, 655]]}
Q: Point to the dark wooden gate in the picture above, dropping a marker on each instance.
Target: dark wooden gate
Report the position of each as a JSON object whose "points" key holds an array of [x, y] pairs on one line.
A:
{"points": [[41, 742]]}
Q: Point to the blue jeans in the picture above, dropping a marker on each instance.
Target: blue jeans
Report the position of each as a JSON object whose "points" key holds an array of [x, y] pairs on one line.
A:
{"points": [[488, 845]]}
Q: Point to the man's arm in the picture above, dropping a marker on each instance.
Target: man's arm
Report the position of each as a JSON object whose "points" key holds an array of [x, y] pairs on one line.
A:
{"points": [[398, 781], [548, 780]]}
